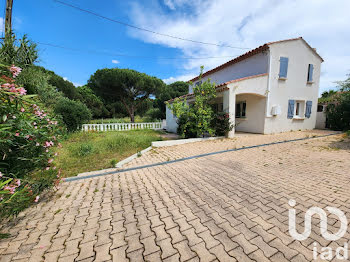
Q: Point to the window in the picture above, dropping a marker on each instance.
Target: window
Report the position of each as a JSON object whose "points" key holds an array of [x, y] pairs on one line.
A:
{"points": [[320, 108], [299, 109], [283, 67], [241, 109], [198, 83], [218, 108], [310, 73]]}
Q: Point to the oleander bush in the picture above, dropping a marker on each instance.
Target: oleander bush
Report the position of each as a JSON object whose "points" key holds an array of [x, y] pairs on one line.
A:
{"points": [[28, 134]]}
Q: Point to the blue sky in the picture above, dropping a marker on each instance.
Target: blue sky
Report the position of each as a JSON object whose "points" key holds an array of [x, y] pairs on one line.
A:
{"points": [[323, 23]]}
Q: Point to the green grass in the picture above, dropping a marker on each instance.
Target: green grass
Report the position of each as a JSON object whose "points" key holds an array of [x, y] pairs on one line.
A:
{"points": [[138, 119], [90, 151], [4, 235]]}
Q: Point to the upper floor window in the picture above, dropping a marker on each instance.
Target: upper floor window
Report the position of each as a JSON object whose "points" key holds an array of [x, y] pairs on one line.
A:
{"points": [[310, 72], [198, 83], [283, 67]]}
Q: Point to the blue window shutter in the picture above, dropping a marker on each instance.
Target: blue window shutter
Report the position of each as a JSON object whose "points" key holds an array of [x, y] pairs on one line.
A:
{"points": [[310, 72], [291, 108], [283, 67], [308, 109]]}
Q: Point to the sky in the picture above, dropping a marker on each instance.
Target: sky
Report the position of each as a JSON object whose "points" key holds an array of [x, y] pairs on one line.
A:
{"points": [[93, 43]]}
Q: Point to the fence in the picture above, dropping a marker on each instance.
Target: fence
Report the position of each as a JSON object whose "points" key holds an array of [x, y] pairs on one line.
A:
{"points": [[123, 126]]}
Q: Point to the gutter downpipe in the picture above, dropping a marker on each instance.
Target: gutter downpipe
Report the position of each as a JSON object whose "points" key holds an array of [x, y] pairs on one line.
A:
{"points": [[268, 87]]}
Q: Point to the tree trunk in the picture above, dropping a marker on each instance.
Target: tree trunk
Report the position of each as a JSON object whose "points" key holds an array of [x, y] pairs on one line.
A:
{"points": [[132, 114]]}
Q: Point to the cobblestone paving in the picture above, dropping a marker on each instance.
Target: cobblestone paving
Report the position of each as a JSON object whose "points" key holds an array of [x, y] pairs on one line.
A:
{"points": [[226, 207]]}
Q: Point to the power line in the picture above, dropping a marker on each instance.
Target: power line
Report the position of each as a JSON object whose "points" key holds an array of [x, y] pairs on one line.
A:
{"points": [[131, 56], [144, 29]]}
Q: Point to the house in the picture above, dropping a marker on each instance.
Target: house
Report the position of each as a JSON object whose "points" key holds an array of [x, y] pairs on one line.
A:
{"points": [[270, 89]]}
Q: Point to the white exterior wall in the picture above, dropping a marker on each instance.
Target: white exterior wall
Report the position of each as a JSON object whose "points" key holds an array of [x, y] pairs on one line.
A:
{"points": [[171, 124], [254, 65], [295, 87], [255, 114], [321, 119]]}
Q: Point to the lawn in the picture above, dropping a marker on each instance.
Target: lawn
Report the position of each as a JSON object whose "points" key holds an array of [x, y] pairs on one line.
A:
{"points": [[90, 151]]}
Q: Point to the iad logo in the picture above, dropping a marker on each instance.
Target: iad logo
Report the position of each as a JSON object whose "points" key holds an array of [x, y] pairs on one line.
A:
{"points": [[326, 252]]}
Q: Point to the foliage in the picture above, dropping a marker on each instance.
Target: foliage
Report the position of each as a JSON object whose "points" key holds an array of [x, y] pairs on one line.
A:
{"points": [[338, 112], [138, 119], [168, 92], [64, 86], [327, 96], [93, 102], [221, 124], [155, 114], [129, 87], [74, 113], [344, 86], [22, 52], [89, 151], [195, 119], [27, 135]]}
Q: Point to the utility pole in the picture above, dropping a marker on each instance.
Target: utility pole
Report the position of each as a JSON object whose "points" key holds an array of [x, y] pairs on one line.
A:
{"points": [[8, 18]]}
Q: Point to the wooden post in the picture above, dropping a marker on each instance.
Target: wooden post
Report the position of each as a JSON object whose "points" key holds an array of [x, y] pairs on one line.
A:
{"points": [[8, 17]]}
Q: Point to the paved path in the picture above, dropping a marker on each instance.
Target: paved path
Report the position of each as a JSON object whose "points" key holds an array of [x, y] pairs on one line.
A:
{"points": [[226, 207]]}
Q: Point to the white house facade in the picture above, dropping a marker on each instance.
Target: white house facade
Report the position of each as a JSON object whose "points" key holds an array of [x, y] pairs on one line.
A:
{"points": [[270, 89]]}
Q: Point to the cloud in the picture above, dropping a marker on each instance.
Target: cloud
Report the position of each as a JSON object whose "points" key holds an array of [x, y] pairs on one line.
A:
{"points": [[74, 83], [115, 62], [179, 78], [2, 26], [322, 23]]}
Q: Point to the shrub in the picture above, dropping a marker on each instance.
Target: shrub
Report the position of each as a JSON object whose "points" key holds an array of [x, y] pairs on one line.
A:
{"points": [[195, 119], [221, 123], [154, 113], [74, 113], [27, 134], [338, 112]]}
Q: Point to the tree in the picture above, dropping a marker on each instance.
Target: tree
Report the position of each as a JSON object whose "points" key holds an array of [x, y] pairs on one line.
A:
{"points": [[195, 120], [130, 87], [22, 52], [93, 102], [168, 92], [64, 86]]}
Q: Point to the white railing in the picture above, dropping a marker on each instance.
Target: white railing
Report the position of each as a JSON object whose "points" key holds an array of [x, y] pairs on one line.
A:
{"points": [[122, 126]]}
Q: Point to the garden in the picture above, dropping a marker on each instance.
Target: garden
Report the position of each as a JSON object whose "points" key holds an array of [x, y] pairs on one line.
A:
{"points": [[41, 115]]}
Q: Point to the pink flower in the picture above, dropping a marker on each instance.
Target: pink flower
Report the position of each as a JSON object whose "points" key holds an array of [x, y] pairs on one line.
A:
{"points": [[22, 109], [37, 144], [27, 136], [6, 85], [34, 123], [21, 91], [54, 168], [56, 154], [17, 134], [36, 199], [18, 182], [15, 70], [0, 175], [50, 160], [47, 168]]}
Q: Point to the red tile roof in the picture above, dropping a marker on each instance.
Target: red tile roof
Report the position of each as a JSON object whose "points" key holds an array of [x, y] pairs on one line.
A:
{"points": [[222, 87], [250, 53], [241, 79]]}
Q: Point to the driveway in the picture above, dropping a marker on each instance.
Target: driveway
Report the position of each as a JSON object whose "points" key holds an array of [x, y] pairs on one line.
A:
{"points": [[225, 207]]}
